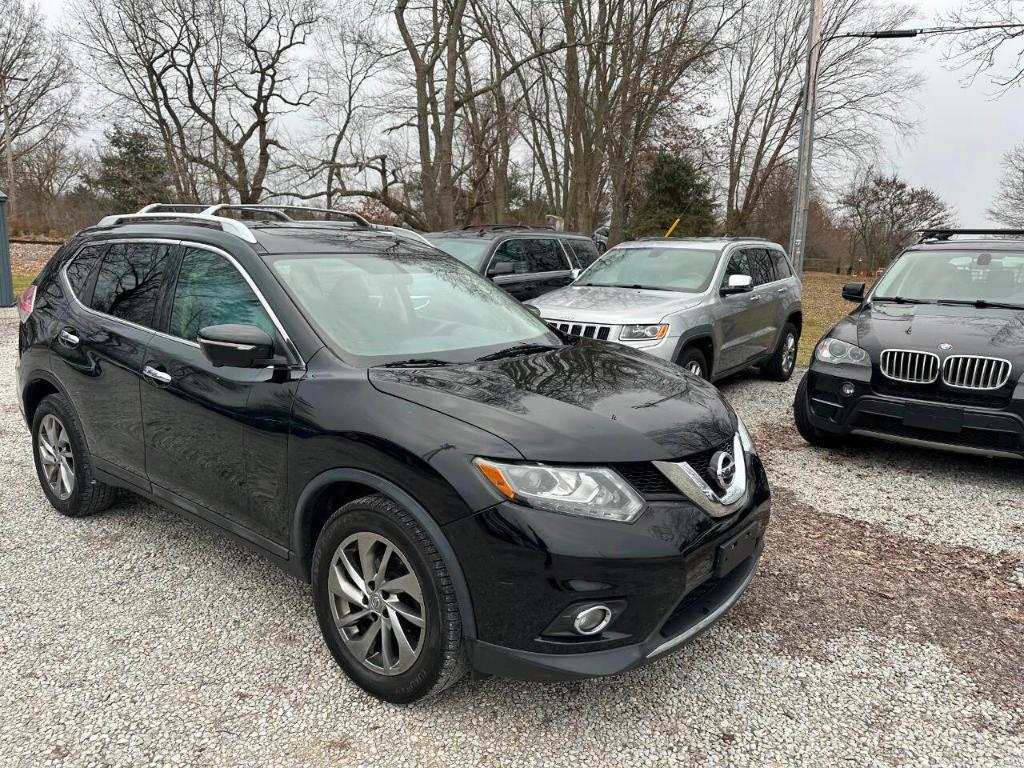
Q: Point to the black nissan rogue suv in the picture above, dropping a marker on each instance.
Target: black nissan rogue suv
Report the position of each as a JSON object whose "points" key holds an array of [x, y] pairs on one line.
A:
{"points": [[933, 356], [465, 487]]}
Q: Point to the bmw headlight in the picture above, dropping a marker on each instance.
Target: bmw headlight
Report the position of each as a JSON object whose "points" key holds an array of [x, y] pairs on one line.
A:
{"points": [[643, 332], [586, 491], [837, 352]]}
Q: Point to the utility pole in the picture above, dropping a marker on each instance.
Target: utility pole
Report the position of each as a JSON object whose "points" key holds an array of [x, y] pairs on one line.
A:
{"points": [[802, 194]]}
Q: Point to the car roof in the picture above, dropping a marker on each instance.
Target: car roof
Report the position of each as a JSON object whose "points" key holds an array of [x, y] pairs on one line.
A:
{"points": [[699, 243], [971, 244], [495, 231]]}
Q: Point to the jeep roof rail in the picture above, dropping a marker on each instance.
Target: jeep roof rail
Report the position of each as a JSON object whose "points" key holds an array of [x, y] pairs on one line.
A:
{"points": [[233, 226], [947, 233]]}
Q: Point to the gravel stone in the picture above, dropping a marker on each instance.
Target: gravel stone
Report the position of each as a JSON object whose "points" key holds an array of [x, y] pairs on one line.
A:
{"points": [[136, 638]]}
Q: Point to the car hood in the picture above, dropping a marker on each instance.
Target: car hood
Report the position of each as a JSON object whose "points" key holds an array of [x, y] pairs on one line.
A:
{"points": [[970, 331], [612, 305], [584, 402]]}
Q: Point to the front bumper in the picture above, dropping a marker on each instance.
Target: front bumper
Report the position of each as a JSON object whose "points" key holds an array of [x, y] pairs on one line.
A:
{"points": [[525, 567], [992, 428]]}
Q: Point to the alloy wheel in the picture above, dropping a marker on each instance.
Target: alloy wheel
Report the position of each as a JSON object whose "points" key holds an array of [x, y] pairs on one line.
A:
{"points": [[56, 456], [789, 353], [377, 603], [694, 367]]}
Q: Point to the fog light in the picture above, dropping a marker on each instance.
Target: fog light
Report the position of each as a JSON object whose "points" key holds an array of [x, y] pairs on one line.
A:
{"points": [[847, 389], [592, 620]]}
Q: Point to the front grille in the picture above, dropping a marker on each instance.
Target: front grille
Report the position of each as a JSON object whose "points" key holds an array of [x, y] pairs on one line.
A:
{"points": [[909, 366], [975, 372], [586, 330], [649, 480]]}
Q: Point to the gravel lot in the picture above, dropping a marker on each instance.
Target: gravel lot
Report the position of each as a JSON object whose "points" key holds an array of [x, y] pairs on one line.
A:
{"points": [[884, 628]]}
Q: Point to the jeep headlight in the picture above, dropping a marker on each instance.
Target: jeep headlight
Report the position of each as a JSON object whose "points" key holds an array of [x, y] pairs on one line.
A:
{"points": [[586, 491], [643, 332], [836, 352]]}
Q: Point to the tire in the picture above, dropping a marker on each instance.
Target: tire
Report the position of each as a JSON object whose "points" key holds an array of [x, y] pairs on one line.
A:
{"points": [[693, 360], [801, 416], [783, 361], [55, 422], [439, 655]]}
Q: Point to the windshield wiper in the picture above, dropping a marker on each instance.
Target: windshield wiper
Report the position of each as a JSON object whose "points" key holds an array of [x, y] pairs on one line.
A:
{"points": [[630, 285], [902, 300], [416, 362], [516, 350], [980, 303]]}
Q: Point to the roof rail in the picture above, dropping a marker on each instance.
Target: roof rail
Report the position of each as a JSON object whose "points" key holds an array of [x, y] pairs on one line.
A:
{"points": [[946, 233], [498, 227], [233, 226], [279, 210], [174, 207]]}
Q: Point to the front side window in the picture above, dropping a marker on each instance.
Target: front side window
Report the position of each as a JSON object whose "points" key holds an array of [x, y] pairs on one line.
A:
{"points": [[411, 304], [665, 269], [544, 256], [211, 291], [510, 258], [585, 251], [129, 280], [958, 276]]}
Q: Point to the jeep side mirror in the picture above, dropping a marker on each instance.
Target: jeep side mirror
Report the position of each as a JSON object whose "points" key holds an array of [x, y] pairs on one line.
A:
{"points": [[500, 268], [854, 292], [575, 273], [237, 346], [738, 284]]}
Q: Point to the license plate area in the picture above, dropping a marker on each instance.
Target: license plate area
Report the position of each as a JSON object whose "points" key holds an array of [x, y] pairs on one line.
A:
{"points": [[737, 549], [935, 418]]}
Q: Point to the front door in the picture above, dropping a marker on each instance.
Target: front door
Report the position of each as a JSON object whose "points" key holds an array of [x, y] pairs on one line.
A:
{"points": [[216, 438], [101, 344], [740, 317]]}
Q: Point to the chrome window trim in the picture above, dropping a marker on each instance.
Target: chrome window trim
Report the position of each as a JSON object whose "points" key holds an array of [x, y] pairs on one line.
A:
{"points": [[189, 244]]}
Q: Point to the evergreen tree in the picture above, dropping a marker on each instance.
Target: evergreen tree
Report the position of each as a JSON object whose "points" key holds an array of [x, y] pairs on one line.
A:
{"points": [[674, 187], [132, 171]]}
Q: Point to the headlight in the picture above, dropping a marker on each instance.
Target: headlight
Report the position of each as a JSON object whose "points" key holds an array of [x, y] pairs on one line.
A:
{"points": [[835, 352], [586, 491], [643, 332], [745, 439]]}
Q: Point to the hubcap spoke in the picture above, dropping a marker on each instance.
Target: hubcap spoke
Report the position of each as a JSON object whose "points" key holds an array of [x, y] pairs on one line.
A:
{"points": [[342, 587], [406, 654], [396, 609], [354, 618], [366, 567], [387, 653], [407, 584], [378, 575], [53, 446], [361, 646]]}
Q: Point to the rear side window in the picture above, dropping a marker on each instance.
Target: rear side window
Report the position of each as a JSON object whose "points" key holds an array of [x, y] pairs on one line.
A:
{"points": [[782, 270], [544, 256], [585, 252], [210, 291], [80, 270], [129, 280]]}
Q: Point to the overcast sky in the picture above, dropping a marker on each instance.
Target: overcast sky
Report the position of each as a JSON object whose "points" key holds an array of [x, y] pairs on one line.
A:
{"points": [[963, 130]]}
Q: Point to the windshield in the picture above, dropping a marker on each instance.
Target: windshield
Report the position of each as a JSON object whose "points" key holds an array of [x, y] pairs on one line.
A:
{"points": [[469, 252], [388, 307], [664, 269], [965, 276]]}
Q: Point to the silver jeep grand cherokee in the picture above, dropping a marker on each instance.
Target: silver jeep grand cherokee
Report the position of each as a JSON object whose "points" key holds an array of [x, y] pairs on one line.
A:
{"points": [[712, 305]]}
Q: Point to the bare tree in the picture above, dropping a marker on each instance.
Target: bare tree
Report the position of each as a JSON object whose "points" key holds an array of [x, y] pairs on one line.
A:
{"points": [[36, 78], [1009, 203], [862, 90], [977, 51], [212, 77], [883, 212]]}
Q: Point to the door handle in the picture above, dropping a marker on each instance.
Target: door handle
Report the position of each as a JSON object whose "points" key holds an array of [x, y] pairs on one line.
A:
{"points": [[755, 297], [161, 377], [68, 337], [780, 290]]}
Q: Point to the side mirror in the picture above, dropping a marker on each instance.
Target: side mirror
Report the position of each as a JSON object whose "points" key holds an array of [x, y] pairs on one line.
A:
{"points": [[738, 284], [854, 292], [500, 268], [237, 346], [533, 309], [575, 273]]}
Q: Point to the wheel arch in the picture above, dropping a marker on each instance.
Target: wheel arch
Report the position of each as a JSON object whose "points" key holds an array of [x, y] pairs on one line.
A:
{"points": [[702, 339], [796, 317], [40, 385], [333, 487]]}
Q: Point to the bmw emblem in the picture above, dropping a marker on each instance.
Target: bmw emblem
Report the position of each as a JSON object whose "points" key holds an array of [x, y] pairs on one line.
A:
{"points": [[946, 347], [723, 468]]}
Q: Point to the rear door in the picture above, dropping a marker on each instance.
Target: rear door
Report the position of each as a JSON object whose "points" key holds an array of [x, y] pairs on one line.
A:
{"points": [[740, 316], [538, 265], [771, 300], [101, 344], [216, 438]]}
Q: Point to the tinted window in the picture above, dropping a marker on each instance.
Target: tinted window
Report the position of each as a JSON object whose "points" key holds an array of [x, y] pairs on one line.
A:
{"points": [[129, 280], [739, 264], [761, 266], [512, 252], [585, 252], [81, 268], [210, 291], [782, 269], [544, 256]]}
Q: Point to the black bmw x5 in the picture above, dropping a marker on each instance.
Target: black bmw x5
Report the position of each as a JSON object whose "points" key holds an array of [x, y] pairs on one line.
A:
{"points": [[933, 356], [464, 487]]}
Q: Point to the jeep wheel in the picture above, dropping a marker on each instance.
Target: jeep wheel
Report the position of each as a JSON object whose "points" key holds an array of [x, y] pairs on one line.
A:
{"points": [[783, 361], [693, 360]]}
